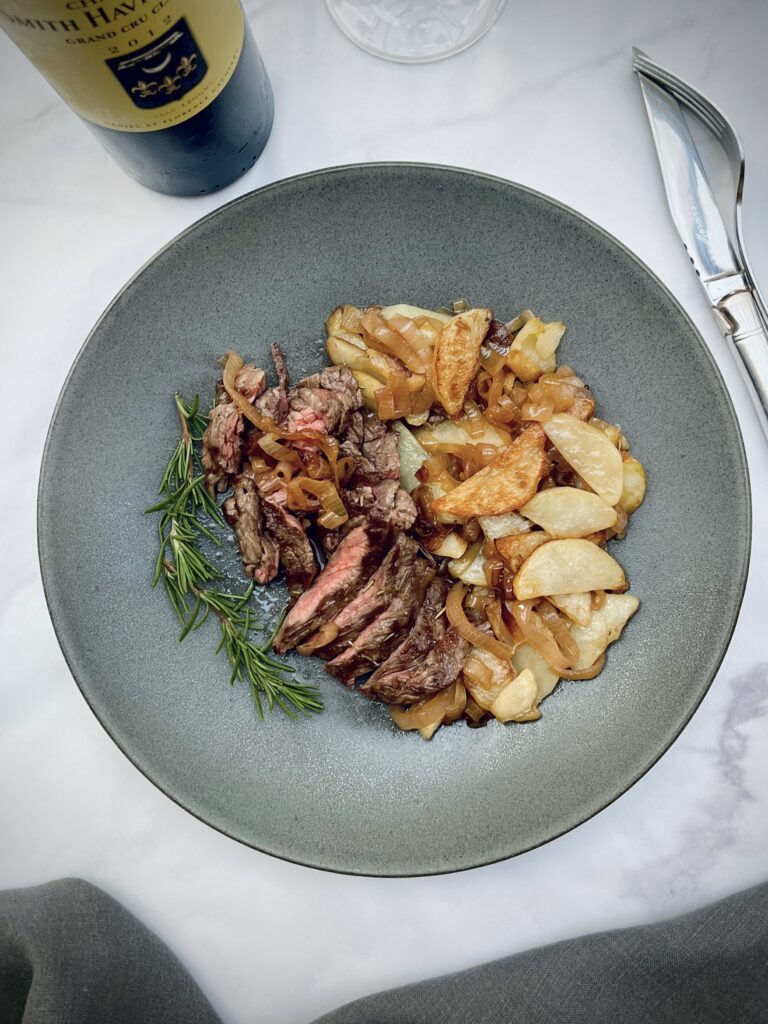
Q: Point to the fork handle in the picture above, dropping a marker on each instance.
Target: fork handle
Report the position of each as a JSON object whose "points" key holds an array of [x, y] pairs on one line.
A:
{"points": [[739, 316]]}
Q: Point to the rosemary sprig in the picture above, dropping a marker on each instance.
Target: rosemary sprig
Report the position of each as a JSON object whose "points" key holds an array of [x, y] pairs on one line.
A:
{"points": [[186, 573]]}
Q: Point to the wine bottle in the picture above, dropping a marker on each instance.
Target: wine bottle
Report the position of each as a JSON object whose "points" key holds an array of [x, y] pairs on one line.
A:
{"points": [[175, 90]]}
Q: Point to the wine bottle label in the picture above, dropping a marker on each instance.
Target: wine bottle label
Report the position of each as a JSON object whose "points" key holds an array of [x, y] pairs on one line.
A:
{"points": [[136, 66]]}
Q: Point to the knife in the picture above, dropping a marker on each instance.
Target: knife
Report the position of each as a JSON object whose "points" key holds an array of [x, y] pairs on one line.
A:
{"points": [[704, 235]]}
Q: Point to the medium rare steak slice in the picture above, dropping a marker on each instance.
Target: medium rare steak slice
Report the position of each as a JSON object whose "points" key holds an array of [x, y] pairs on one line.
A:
{"points": [[345, 573], [385, 633], [391, 578], [296, 555], [222, 446], [223, 439], [323, 402], [387, 503], [429, 659], [242, 510]]}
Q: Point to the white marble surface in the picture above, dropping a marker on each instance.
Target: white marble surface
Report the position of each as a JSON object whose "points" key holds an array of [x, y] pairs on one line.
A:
{"points": [[546, 99]]}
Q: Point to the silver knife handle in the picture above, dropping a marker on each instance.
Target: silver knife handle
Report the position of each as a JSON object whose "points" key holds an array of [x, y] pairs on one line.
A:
{"points": [[740, 319]]}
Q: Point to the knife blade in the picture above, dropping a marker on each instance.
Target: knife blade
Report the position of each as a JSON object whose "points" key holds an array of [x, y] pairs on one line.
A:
{"points": [[704, 235]]}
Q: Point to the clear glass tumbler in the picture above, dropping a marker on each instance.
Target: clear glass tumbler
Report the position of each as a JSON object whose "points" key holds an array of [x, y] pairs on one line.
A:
{"points": [[414, 31]]}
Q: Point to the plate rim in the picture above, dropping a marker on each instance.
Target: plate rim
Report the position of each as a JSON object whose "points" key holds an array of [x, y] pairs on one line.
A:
{"points": [[383, 166]]}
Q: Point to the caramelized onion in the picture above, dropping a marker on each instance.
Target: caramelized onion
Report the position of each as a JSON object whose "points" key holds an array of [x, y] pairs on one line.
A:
{"points": [[598, 599], [382, 338], [416, 338], [325, 635], [333, 512], [536, 633], [394, 400], [430, 712], [559, 630], [279, 452], [454, 610], [232, 366], [493, 612]]}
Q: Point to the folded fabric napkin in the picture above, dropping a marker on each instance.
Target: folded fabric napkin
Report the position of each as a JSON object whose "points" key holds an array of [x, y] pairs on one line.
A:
{"points": [[70, 954]]}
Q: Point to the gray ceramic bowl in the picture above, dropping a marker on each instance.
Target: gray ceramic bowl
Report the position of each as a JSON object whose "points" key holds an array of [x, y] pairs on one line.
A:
{"points": [[346, 791]]}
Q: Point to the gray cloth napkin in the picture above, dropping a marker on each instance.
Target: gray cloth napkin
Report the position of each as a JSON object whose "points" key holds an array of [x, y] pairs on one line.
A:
{"points": [[69, 954]]}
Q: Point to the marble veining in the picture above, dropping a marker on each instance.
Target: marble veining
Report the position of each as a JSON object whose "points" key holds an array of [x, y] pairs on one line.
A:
{"points": [[547, 99]]}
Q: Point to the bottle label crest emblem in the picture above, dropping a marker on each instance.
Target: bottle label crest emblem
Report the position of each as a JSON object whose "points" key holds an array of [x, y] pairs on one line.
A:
{"points": [[162, 72]]}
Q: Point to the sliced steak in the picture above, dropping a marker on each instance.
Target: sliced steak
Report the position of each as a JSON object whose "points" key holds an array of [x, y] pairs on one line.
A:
{"points": [[341, 578], [324, 401], [391, 578], [380, 448], [384, 634], [296, 555], [222, 446], [386, 503], [242, 510], [222, 451], [250, 382], [429, 659], [373, 448]]}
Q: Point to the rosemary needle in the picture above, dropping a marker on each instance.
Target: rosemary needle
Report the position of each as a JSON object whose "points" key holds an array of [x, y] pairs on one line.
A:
{"points": [[186, 573]]}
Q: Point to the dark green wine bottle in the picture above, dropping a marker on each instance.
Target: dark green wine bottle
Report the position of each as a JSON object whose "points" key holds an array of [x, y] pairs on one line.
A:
{"points": [[175, 90]]}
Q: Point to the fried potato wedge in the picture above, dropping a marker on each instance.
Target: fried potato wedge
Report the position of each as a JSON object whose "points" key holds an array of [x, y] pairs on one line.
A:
{"points": [[516, 548], [604, 627], [505, 484], [567, 567], [633, 486], [527, 657], [569, 512], [517, 701], [533, 350], [591, 453], [456, 356], [578, 607]]}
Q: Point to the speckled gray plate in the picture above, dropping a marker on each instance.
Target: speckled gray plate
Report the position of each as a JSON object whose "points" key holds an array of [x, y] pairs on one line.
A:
{"points": [[346, 791]]}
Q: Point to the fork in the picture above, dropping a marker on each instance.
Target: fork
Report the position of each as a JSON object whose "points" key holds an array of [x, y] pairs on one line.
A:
{"points": [[719, 125]]}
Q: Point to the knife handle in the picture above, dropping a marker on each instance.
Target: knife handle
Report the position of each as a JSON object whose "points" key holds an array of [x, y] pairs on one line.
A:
{"points": [[740, 318]]}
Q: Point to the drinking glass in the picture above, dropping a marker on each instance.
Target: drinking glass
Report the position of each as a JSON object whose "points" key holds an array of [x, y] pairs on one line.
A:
{"points": [[414, 31]]}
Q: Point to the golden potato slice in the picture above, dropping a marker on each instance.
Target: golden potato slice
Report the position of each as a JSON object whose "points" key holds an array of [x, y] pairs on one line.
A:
{"points": [[501, 674], [517, 700], [369, 386], [533, 350], [514, 549], [452, 545], [505, 484], [412, 312], [457, 352], [590, 452], [604, 627], [633, 486], [527, 657], [569, 512], [612, 432], [578, 607], [344, 353], [469, 567], [367, 360], [567, 567], [449, 432], [503, 526]]}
